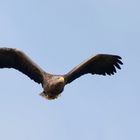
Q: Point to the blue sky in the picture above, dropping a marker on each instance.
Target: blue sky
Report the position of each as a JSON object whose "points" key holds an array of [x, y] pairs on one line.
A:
{"points": [[58, 35]]}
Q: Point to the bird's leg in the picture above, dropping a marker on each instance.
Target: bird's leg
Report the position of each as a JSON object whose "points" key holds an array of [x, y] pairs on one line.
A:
{"points": [[43, 95]]}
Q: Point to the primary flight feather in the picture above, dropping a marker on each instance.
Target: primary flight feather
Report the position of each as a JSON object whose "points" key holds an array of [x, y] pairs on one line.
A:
{"points": [[53, 85]]}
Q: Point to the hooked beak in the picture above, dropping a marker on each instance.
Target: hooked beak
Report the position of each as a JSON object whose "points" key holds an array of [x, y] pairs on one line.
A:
{"points": [[61, 79]]}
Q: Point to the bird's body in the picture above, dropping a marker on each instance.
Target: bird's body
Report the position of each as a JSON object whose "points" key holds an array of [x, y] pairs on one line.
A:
{"points": [[53, 85]]}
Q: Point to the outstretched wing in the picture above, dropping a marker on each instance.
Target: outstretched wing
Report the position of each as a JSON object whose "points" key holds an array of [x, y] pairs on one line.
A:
{"points": [[101, 64], [14, 58]]}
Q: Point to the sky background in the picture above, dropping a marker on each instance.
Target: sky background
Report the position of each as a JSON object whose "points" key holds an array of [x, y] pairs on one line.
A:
{"points": [[58, 35]]}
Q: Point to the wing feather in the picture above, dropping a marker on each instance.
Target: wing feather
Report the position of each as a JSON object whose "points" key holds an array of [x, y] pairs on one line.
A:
{"points": [[14, 58], [102, 64]]}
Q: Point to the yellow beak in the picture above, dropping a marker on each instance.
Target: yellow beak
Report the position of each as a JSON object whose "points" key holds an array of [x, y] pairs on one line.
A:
{"points": [[61, 79]]}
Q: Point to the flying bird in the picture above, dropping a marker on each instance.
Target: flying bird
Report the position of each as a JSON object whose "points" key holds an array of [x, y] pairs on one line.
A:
{"points": [[53, 85]]}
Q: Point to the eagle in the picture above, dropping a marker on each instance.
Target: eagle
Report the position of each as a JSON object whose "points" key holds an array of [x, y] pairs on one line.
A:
{"points": [[53, 85]]}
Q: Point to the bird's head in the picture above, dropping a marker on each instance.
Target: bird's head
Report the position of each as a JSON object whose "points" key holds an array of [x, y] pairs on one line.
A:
{"points": [[53, 88]]}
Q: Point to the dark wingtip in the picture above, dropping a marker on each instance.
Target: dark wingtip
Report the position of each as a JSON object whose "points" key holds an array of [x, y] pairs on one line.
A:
{"points": [[119, 59], [117, 56], [120, 62], [118, 66]]}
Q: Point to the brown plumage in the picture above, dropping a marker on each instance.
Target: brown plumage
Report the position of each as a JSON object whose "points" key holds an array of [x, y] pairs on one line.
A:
{"points": [[53, 85]]}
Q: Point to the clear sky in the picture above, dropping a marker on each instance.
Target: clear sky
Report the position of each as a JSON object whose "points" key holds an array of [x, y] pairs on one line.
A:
{"points": [[57, 35]]}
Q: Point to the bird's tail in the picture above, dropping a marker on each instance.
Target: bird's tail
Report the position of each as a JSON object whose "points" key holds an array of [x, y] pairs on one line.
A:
{"points": [[48, 97]]}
